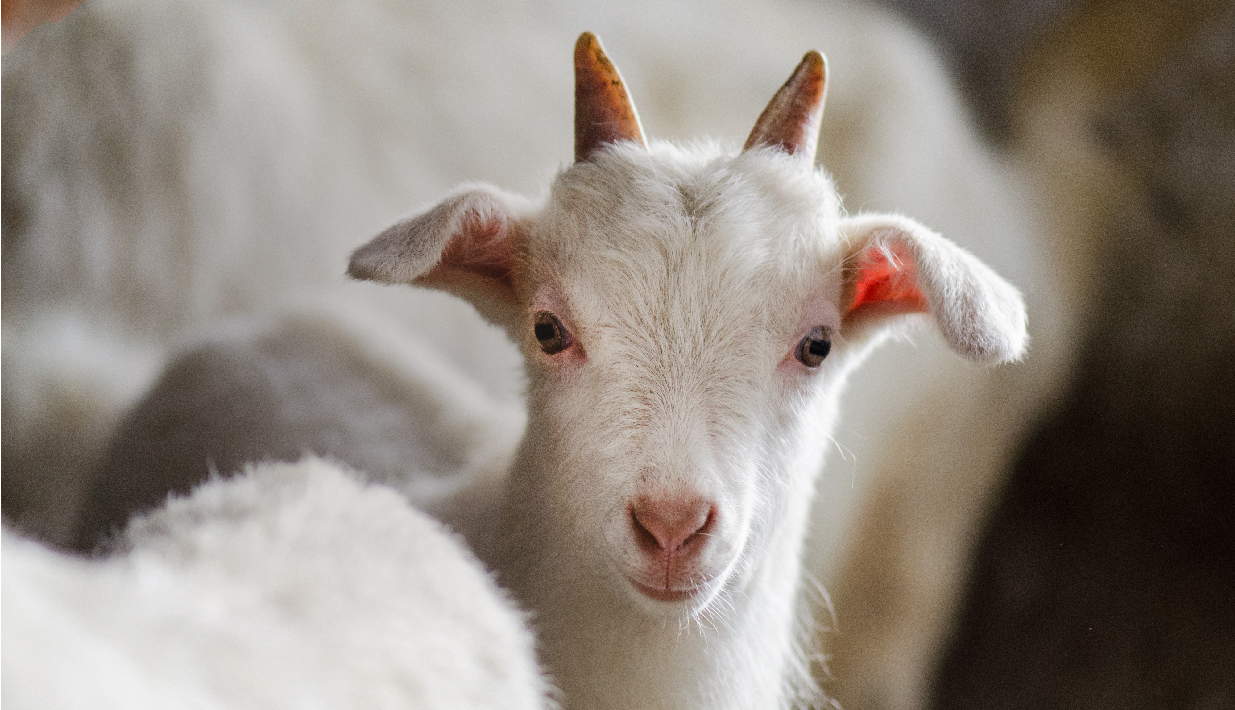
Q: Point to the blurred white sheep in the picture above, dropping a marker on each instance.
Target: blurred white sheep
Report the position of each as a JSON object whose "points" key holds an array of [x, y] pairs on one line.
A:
{"points": [[289, 586]]}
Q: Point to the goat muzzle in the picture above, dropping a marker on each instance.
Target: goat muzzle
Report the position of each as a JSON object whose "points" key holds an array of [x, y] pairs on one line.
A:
{"points": [[671, 535]]}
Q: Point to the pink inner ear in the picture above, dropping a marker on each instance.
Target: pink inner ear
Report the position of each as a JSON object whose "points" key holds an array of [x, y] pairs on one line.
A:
{"points": [[482, 251], [886, 286]]}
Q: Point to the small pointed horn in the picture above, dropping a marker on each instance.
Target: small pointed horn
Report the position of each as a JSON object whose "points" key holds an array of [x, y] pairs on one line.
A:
{"points": [[603, 111], [791, 120]]}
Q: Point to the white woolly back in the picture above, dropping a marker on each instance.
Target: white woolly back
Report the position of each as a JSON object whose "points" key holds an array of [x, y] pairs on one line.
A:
{"points": [[291, 586]]}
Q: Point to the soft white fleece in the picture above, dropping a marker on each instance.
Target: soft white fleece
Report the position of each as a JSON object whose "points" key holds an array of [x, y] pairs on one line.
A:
{"points": [[290, 586]]}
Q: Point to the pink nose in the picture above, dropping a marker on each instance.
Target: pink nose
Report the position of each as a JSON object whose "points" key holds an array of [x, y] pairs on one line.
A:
{"points": [[672, 526]]}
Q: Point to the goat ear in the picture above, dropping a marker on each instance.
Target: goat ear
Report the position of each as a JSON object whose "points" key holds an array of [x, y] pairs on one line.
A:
{"points": [[468, 245], [897, 266]]}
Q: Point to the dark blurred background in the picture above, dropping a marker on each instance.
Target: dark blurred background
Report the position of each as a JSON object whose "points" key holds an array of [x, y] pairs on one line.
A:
{"points": [[1105, 575]]}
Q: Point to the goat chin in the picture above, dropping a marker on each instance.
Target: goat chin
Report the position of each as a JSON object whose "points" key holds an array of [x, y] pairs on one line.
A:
{"points": [[651, 505]]}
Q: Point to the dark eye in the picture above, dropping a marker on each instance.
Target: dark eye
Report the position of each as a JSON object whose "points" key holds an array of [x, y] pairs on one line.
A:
{"points": [[814, 347], [549, 332]]}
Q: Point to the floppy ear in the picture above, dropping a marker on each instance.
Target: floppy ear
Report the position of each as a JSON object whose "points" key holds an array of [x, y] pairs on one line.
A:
{"points": [[897, 266], [469, 245]]}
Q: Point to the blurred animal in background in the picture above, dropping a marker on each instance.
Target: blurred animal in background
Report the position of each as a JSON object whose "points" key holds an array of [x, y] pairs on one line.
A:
{"points": [[289, 583], [178, 170]]}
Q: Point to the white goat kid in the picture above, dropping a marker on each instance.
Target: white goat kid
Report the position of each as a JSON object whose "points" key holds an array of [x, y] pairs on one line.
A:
{"points": [[688, 318]]}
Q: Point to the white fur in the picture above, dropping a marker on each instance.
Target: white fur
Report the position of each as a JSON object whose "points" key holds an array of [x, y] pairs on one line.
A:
{"points": [[290, 586]]}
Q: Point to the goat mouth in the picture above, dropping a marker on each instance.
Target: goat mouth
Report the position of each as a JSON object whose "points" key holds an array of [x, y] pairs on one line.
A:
{"points": [[664, 594]]}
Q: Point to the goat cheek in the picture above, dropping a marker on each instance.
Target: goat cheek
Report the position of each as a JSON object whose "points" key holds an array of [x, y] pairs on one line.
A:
{"points": [[565, 362]]}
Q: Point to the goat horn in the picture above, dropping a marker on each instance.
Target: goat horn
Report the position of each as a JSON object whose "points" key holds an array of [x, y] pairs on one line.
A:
{"points": [[603, 111], [791, 120]]}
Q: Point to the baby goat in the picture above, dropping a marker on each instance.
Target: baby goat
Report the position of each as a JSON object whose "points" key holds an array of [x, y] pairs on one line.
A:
{"points": [[689, 318]]}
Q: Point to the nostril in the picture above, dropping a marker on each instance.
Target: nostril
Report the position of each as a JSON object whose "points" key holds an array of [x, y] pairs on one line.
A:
{"points": [[709, 522], [646, 538], [667, 526]]}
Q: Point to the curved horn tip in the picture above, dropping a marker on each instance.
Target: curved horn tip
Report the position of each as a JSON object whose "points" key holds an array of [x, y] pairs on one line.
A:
{"points": [[604, 112], [815, 62], [792, 118], [586, 43]]}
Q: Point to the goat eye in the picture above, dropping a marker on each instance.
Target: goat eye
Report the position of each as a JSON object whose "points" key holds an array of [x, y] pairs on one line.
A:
{"points": [[814, 347], [550, 333]]}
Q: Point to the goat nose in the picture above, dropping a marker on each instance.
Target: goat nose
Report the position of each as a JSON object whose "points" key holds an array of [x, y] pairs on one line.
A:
{"points": [[663, 526]]}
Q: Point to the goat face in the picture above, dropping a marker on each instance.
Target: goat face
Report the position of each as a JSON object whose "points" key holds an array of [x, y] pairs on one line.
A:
{"points": [[688, 318], [668, 294]]}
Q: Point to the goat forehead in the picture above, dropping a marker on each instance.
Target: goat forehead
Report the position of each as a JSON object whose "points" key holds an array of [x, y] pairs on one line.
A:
{"points": [[678, 292], [685, 274], [627, 190], [688, 243]]}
